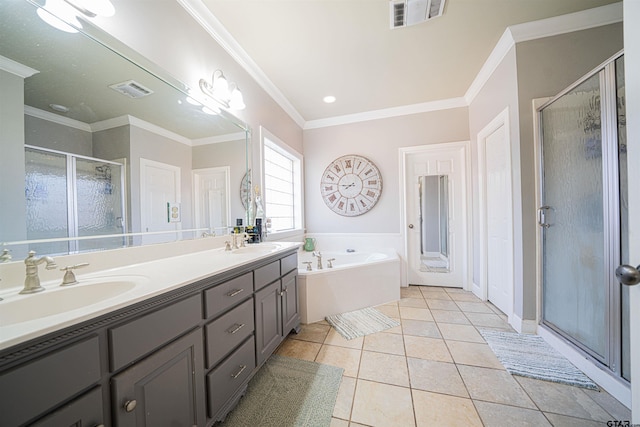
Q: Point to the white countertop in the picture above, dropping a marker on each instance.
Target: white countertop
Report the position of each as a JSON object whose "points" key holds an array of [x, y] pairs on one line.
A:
{"points": [[150, 278]]}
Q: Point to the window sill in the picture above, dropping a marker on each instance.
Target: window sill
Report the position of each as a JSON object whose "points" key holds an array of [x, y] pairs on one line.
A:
{"points": [[281, 235]]}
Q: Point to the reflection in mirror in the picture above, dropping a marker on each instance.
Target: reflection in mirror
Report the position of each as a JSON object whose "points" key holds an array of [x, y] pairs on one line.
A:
{"points": [[434, 223], [105, 147]]}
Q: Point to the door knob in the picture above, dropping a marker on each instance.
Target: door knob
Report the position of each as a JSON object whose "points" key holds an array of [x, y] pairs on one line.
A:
{"points": [[410, 225], [130, 405], [628, 275]]}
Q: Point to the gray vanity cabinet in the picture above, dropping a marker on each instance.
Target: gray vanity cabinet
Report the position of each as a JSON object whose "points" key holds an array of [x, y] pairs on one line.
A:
{"points": [[268, 321], [164, 389], [83, 411], [290, 312]]}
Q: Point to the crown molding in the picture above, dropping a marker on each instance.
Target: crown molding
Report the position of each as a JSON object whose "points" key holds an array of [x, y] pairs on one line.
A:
{"points": [[230, 137], [55, 118], [199, 11], [583, 20], [13, 67], [139, 123], [386, 113]]}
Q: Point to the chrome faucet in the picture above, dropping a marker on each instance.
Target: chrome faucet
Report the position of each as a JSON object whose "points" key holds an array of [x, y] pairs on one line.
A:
{"points": [[69, 276], [5, 256], [32, 281], [319, 256]]}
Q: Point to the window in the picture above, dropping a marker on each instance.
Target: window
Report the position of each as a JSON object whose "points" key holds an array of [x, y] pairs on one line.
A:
{"points": [[282, 168]]}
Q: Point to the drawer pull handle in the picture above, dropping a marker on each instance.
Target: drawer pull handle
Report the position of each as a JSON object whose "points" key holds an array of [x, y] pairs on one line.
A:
{"points": [[235, 292], [130, 405], [235, 328], [237, 374]]}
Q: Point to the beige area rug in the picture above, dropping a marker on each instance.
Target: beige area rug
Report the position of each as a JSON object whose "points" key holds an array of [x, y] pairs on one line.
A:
{"points": [[361, 322]]}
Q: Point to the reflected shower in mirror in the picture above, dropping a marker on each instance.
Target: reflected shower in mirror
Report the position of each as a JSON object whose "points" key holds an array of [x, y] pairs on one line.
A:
{"points": [[434, 223], [107, 144]]}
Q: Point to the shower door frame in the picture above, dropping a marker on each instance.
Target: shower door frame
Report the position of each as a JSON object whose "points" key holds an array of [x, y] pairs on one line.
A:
{"points": [[612, 358], [72, 196]]}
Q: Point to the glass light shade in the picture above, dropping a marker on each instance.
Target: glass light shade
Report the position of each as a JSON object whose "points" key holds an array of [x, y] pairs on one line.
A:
{"points": [[236, 102], [59, 15], [220, 86]]}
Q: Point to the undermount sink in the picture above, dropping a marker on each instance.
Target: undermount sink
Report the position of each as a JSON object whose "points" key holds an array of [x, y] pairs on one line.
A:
{"points": [[60, 299]]}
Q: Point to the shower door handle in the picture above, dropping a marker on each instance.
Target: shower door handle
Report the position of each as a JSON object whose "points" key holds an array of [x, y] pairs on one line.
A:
{"points": [[628, 274], [542, 216]]}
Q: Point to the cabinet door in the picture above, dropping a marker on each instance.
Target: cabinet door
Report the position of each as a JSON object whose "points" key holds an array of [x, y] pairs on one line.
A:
{"points": [[290, 315], [85, 411], [268, 321], [165, 389]]}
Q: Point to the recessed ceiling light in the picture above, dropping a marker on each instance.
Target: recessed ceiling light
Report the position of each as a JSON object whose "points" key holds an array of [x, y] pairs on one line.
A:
{"points": [[59, 108], [329, 99]]}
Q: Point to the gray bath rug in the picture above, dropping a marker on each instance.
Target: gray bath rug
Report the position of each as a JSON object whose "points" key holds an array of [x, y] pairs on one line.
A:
{"points": [[360, 322], [530, 356]]}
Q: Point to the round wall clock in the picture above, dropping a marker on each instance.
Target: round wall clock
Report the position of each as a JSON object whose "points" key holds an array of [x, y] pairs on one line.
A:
{"points": [[245, 189], [351, 185]]}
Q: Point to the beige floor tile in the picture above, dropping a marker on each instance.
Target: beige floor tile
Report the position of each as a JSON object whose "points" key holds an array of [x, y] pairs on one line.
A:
{"points": [[433, 409], [474, 307], [464, 296], [609, 403], [420, 328], [427, 348], [344, 401], [382, 405], [299, 349], [413, 313], [342, 357], [357, 425], [441, 304], [335, 422], [447, 316], [558, 420], [388, 310], [488, 320], [394, 330], [474, 354], [563, 399], [468, 333], [334, 338], [438, 377], [314, 332], [439, 295], [384, 368], [496, 415], [493, 385], [457, 290], [412, 302], [384, 343], [410, 292]]}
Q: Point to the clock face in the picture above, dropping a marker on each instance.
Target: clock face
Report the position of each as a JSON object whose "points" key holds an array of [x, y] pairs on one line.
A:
{"points": [[245, 188], [351, 185]]}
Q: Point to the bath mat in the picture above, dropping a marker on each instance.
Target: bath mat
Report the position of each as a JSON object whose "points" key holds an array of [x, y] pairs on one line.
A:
{"points": [[530, 356], [288, 392], [360, 322]]}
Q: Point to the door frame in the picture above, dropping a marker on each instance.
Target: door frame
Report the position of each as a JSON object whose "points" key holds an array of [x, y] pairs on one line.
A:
{"points": [[144, 163], [482, 289], [196, 175], [403, 159]]}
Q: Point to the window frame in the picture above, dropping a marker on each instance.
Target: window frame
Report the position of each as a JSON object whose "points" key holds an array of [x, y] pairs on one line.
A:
{"points": [[298, 192]]}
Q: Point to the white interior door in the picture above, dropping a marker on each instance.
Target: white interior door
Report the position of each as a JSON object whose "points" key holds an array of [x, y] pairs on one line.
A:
{"points": [[499, 221], [437, 160], [159, 186], [212, 204]]}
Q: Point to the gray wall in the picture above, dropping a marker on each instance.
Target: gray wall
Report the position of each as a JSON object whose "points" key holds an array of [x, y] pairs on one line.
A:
{"points": [[55, 136], [13, 212]]}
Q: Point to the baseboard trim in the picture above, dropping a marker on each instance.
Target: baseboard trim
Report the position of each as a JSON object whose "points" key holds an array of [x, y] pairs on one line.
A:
{"points": [[615, 387], [522, 326]]}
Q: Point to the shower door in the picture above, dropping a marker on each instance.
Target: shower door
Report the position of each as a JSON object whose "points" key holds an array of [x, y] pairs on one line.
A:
{"points": [[582, 201]]}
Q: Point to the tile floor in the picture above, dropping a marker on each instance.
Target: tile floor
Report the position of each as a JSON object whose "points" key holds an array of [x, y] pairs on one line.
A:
{"points": [[436, 370]]}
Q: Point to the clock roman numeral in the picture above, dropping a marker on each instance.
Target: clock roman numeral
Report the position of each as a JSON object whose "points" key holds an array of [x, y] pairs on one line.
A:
{"points": [[371, 193]]}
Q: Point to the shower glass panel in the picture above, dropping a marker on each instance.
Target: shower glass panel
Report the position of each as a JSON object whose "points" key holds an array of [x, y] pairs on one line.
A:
{"points": [[624, 212], [574, 291], [99, 203], [46, 194]]}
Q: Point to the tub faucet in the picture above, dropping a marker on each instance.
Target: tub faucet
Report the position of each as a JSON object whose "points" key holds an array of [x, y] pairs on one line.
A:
{"points": [[319, 256], [308, 265], [329, 265], [32, 281]]}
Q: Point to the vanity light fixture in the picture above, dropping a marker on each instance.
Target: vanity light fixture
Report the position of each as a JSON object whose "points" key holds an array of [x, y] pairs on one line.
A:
{"points": [[63, 14], [224, 93]]}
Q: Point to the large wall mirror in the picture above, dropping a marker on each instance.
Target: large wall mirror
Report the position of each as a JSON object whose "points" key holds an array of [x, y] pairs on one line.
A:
{"points": [[434, 223], [96, 141]]}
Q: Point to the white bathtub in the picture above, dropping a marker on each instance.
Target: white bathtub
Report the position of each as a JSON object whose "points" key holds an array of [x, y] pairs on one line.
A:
{"points": [[357, 280]]}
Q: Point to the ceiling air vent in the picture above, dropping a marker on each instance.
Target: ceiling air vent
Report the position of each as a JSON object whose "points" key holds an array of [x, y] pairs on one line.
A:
{"points": [[132, 89], [410, 12]]}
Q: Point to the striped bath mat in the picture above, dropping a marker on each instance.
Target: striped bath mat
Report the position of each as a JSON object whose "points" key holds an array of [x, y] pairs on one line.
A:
{"points": [[530, 356], [360, 322]]}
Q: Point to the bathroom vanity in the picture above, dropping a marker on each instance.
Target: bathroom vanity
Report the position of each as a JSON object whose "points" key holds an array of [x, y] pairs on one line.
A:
{"points": [[182, 355]]}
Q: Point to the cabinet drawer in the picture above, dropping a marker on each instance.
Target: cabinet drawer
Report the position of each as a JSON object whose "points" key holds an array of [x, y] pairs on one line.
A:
{"points": [[227, 378], [266, 274], [221, 297], [289, 263], [83, 411], [35, 387], [226, 332], [137, 338]]}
